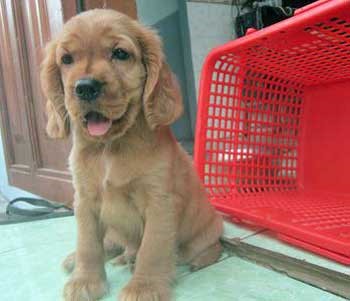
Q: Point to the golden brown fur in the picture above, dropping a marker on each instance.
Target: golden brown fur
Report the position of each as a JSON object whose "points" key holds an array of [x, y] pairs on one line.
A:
{"points": [[135, 187]]}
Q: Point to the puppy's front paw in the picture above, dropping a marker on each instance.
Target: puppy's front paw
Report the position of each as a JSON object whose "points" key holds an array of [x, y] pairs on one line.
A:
{"points": [[84, 289], [143, 290]]}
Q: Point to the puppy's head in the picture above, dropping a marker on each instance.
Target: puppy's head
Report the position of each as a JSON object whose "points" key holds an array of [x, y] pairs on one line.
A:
{"points": [[102, 72]]}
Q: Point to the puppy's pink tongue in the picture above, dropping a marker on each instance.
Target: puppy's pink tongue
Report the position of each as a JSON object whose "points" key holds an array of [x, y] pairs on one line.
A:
{"points": [[98, 128]]}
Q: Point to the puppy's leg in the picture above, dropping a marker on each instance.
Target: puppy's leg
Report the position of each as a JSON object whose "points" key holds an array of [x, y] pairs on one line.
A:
{"points": [[204, 248], [155, 261], [207, 257], [128, 257], [88, 281], [111, 249]]}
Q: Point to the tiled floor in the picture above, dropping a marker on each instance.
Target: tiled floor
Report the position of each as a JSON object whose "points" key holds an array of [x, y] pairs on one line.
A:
{"points": [[31, 253], [263, 238], [266, 240]]}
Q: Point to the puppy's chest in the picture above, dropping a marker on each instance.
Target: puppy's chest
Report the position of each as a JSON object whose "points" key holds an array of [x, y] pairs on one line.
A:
{"points": [[121, 171], [121, 192], [123, 209]]}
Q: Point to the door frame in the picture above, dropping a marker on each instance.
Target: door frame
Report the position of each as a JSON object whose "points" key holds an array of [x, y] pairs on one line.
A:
{"points": [[189, 73]]}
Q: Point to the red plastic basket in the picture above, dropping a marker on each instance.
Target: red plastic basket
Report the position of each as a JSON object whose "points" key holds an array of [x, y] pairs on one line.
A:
{"points": [[273, 128]]}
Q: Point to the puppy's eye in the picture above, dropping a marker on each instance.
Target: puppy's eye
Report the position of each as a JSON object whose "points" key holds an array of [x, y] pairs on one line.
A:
{"points": [[120, 54], [67, 59]]}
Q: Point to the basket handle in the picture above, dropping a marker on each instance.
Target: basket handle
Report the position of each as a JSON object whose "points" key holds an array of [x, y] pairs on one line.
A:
{"points": [[310, 6]]}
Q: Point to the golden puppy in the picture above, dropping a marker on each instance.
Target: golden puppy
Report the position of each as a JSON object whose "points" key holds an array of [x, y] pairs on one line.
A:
{"points": [[106, 81]]}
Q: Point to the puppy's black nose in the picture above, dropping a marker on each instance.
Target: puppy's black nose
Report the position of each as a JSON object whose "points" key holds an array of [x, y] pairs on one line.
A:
{"points": [[88, 89]]}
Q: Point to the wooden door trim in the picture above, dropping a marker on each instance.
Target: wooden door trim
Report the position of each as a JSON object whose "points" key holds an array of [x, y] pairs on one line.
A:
{"points": [[31, 176], [27, 89], [63, 191], [5, 124], [23, 76], [69, 9]]}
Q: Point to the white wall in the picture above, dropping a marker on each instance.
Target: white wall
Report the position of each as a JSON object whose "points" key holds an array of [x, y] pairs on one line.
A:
{"points": [[210, 25], [152, 11]]}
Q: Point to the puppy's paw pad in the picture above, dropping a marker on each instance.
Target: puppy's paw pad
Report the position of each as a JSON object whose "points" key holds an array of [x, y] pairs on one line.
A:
{"points": [[144, 291], [84, 289]]}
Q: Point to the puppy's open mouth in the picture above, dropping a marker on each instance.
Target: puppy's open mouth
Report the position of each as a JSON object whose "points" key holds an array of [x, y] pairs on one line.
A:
{"points": [[97, 124]]}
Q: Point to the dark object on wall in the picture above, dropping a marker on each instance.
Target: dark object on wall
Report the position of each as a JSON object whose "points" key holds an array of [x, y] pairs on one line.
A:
{"points": [[296, 3], [261, 15]]}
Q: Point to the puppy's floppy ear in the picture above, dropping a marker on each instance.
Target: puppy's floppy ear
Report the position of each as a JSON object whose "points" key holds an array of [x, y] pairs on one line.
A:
{"points": [[58, 125], [162, 100]]}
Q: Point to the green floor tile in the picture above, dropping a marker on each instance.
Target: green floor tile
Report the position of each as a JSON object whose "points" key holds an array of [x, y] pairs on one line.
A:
{"points": [[31, 254], [241, 231], [266, 240], [239, 280]]}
